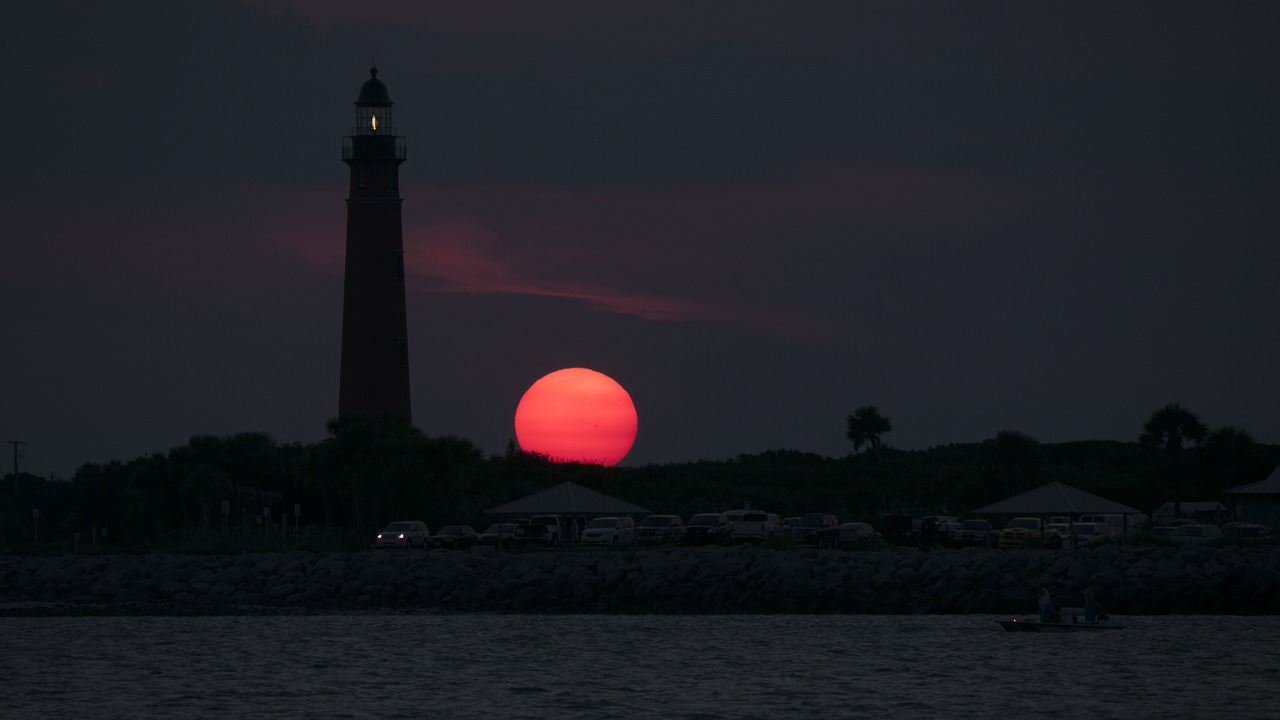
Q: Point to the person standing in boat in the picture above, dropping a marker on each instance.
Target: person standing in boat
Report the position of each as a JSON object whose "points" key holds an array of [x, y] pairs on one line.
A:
{"points": [[1090, 606], [1046, 604]]}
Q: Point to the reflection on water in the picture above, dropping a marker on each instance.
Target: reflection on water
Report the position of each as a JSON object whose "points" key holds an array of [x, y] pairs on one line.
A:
{"points": [[593, 666]]}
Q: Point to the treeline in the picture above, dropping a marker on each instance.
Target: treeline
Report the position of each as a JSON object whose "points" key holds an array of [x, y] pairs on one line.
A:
{"points": [[372, 471]]}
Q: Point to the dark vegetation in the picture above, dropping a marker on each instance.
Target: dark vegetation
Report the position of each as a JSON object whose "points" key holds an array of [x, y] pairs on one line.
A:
{"points": [[372, 471]]}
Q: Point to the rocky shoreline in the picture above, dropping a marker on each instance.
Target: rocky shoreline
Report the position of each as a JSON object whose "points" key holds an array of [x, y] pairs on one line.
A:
{"points": [[1146, 580]]}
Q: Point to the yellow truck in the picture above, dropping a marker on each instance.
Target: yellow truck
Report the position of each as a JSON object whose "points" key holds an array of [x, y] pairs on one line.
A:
{"points": [[1022, 531]]}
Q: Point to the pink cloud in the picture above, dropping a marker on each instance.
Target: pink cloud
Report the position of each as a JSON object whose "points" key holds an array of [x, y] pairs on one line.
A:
{"points": [[457, 255], [676, 253], [476, 251]]}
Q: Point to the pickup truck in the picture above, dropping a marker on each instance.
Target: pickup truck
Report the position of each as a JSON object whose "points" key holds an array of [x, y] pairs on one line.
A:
{"points": [[819, 529], [1020, 531], [706, 529], [755, 527], [976, 532], [547, 530]]}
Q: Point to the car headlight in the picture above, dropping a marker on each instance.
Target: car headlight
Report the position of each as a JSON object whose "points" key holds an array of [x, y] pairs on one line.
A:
{"points": [[400, 536]]}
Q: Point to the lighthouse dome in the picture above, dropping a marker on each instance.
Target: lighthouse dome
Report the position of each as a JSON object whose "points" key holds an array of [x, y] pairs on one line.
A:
{"points": [[373, 91]]}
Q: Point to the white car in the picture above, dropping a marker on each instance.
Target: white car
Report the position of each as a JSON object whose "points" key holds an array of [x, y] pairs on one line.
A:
{"points": [[858, 532], [1093, 534], [1197, 533], [609, 531], [403, 534], [756, 527], [1246, 531]]}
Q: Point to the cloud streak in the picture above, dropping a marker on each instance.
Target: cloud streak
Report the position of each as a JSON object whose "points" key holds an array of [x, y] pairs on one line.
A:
{"points": [[689, 254], [459, 255]]}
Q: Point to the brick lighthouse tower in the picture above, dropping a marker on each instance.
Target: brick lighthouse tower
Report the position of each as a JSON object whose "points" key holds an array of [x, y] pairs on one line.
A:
{"points": [[374, 379]]}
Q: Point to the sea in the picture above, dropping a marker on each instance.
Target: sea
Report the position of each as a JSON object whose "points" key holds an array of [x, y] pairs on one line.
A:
{"points": [[664, 667]]}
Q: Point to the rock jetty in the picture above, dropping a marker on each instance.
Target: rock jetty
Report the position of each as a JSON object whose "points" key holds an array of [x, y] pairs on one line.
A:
{"points": [[744, 579]]}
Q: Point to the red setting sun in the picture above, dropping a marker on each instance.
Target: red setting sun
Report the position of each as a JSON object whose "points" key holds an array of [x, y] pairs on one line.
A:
{"points": [[577, 415]]}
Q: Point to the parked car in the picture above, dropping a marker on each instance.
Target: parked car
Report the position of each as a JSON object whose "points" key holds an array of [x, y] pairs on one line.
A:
{"points": [[1246, 531], [1093, 534], [402, 534], [1120, 523], [1020, 531], [900, 529], [938, 530], [948, 532], [609, 531], [453, 537], [498, 535], [820, 529], [1197, 533], [755, 527], [941, 521], [706, 529], [660, 529], [543, 530], [976, 532], [858, 532]]}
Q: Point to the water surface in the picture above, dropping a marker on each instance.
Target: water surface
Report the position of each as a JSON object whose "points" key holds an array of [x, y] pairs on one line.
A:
{"points": [[602, 666]]}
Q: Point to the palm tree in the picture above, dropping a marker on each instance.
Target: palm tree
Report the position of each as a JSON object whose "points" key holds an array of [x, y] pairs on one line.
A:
{"points": [[1170, 427], [865, 426]]}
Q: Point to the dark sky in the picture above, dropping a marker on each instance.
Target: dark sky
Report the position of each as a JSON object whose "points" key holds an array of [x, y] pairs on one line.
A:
{"points": [[1049, 217]]}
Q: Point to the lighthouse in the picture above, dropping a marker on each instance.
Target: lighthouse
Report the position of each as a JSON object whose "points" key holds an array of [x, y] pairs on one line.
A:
{"points": [[374, 374]]}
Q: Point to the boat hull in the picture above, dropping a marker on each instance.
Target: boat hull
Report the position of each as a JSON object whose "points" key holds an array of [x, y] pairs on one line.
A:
{"points": [[1031, 624]]}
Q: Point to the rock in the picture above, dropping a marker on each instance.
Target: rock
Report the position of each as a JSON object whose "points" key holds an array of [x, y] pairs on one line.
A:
{"points": [[171, 588], [282, 590], [1128, 580], [230, 576]]}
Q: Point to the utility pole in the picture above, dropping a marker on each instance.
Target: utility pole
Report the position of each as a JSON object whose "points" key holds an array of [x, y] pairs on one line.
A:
{"points": [[15, 444]]}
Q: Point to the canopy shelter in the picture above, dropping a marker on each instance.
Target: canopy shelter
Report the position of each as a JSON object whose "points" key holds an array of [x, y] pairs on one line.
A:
{"points": [[1258, 502], [1270, 486], [1057, 499], [567, 498]]}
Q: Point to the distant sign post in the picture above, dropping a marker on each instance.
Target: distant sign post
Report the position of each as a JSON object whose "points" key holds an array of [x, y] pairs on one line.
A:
{"points": [[226, 510]]}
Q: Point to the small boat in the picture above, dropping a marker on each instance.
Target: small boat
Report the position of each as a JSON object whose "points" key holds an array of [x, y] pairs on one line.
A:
{"points": [[1067, 620]]}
